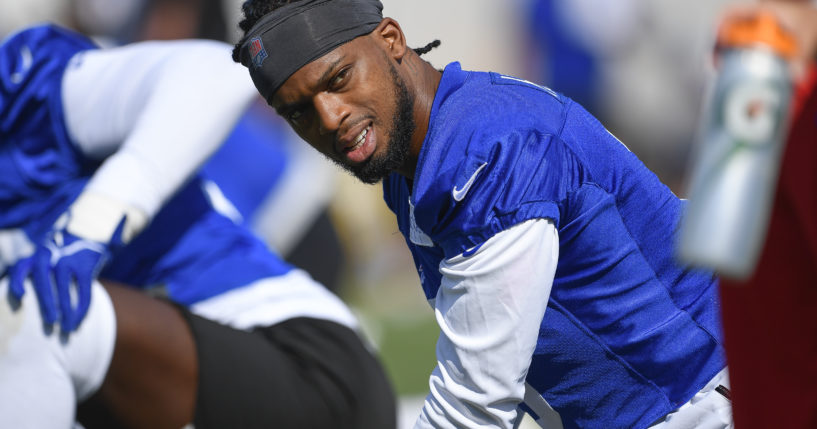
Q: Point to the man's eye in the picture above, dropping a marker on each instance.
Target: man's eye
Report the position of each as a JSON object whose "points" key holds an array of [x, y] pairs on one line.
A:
{"points": [[339, 78], [295, 115]]}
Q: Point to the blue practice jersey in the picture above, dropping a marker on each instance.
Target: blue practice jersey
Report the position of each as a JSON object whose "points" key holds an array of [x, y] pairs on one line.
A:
{"points": [[38, 162], [189, 248], [628, 335], [194, 251], [250, 163]]}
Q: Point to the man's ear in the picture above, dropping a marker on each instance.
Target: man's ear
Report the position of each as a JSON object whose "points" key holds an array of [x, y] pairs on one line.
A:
{"points": [[391, 36]]}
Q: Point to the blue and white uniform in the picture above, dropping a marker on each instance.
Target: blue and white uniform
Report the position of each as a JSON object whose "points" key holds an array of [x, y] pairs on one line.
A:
{"points": [[125, 130], [522, 202]]}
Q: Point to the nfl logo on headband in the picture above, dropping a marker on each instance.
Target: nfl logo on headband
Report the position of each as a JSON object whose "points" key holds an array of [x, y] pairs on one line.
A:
{"points": [[257, 52], [300, 32]]}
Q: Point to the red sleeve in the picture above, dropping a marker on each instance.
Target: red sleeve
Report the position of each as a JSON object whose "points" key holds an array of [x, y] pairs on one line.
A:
{"points": [[770, 321]]}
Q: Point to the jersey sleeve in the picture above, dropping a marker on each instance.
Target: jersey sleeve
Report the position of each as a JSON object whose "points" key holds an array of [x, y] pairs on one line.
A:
{"points": [[154, 112], [499, 183], [489, 308]]}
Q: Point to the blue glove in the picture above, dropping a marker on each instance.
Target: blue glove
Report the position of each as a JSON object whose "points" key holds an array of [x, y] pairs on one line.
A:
{"points": [[65, 264]]}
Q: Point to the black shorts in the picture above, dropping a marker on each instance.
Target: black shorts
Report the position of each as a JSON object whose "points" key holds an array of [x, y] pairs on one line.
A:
{"points": [[301, 373]]}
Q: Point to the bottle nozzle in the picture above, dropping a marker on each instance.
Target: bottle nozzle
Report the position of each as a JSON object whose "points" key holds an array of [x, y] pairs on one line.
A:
{"points": [[761, 28]]}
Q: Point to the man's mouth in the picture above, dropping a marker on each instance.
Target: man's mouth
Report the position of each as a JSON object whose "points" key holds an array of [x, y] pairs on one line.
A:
{"points": [[359, 140], [361, 148]]}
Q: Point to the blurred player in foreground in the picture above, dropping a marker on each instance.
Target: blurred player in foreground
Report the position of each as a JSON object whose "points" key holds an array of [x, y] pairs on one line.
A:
{"points": [[769, 320], [99, 150], [513, 200]]}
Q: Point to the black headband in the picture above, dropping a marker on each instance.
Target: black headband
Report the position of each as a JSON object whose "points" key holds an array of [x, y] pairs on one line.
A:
{"points": [[294, 35]]}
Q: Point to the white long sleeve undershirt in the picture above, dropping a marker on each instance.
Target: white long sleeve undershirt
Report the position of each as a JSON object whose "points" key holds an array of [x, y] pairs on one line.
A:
{"points": [[489, 308], [155, 111]]}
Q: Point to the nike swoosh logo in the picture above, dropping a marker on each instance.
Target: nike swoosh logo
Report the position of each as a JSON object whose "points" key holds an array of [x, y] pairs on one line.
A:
{"points": [[459, 194], [27, 60], [471, 251]]}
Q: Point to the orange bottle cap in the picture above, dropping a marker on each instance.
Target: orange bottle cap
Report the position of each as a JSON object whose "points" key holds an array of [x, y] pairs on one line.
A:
{"points": [[760, 28]]}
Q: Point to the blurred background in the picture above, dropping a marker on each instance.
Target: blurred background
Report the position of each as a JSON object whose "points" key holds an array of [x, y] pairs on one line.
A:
{"points": [[641, 66]]}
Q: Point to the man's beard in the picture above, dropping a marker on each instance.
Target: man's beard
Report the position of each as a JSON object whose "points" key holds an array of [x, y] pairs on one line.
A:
{"points": [[376, 168]]}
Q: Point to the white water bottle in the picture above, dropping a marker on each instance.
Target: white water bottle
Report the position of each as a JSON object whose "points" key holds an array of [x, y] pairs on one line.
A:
{"points": [[736, 165]]}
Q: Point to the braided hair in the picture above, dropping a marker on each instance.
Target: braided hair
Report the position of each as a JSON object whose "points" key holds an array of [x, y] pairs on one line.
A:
{"points": [[425, 49], [254, 10]]}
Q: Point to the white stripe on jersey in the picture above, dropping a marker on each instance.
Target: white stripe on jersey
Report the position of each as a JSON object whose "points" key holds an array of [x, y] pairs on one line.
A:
{"points": [[548, 417]]}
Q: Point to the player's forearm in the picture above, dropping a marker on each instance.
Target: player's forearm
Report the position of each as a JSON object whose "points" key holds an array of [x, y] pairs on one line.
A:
{"points": [[182, 125], [489, 307], [157, 127]]}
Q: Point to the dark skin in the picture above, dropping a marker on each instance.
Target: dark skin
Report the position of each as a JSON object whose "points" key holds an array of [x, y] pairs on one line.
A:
{"points": [[153, 376], [332, 100]]}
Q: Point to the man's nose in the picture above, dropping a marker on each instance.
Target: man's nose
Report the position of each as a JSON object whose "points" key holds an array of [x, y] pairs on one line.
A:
{"points": [[331, 112]]}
